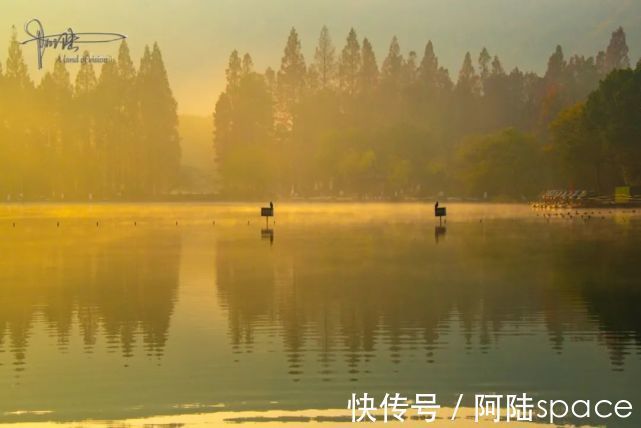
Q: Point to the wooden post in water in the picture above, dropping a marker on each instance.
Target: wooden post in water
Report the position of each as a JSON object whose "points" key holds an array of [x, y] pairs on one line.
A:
{"points": [[439, 212], [267, 212]]}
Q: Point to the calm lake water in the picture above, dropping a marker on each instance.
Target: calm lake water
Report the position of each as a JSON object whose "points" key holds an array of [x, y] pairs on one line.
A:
{"points": [[120, 312]]}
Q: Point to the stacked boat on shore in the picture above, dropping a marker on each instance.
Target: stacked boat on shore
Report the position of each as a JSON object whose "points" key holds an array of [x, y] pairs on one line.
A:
{"points": [[623, 197]]}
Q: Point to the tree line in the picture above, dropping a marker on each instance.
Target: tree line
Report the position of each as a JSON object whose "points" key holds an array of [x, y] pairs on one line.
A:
{"points": [[341, 124], [107, 136], [598, 140]]}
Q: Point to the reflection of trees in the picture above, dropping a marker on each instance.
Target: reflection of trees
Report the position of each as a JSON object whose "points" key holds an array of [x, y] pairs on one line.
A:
{"points": [[123, 286], [368, 292], [606, 275]]}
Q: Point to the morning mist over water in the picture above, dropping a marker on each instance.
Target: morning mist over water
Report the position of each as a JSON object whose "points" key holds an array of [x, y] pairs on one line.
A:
{"points": [[266, 213]]}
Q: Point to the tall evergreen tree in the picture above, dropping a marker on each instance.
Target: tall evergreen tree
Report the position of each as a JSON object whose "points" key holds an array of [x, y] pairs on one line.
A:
{"points": [[583, 77], [555, 92], [349, 65], [248, 65], [86, 77], [410, 69], [85, 125], [64, 154], [496, 97], [368, 69], [556, 66], [17, 74], [392, 68], [18, 93], [126, 68], [162, 130], [616, 55], [467, 84], [467, 95], [145, 147], [107, 124], [484, 66], [325, 60], [62, 80], [128, 174], [234, 71], [430, 75], [428, 69], [291, 75], [497, 67]]}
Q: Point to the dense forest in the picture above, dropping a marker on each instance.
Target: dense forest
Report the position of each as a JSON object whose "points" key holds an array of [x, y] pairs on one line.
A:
{"points": [[112, 136], [341, 125]]}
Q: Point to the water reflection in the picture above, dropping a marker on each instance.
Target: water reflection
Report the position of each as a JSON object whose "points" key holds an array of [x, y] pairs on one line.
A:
{"points": [[439, 232], [119, 286], [267, 234], [357, 295], [165, 318]]}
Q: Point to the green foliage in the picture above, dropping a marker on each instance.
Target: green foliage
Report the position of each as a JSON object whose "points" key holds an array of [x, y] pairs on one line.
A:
{"points": [[613, 116], [598, 141], [243, 123], [505, 164], [580, 155], [342, 127], [109, 137]]}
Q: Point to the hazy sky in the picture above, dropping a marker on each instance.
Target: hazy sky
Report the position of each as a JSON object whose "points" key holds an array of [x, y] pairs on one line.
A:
{"points": [[196, 36]]}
